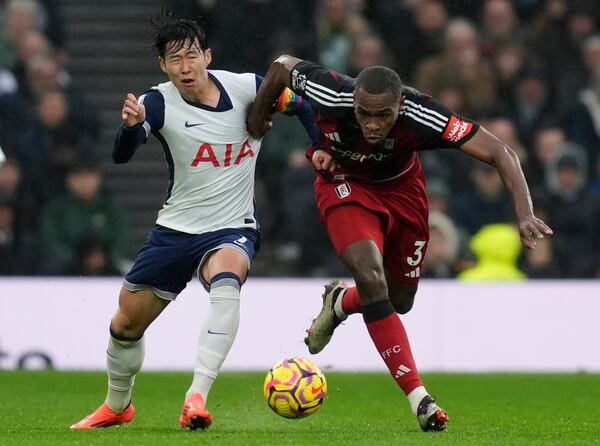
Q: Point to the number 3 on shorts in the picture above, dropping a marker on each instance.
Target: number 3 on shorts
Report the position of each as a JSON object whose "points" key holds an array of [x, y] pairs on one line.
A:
{"points": [[418, 256]]}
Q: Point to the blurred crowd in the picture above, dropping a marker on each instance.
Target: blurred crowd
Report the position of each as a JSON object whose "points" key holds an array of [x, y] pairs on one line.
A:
{"points": [[55, 217], [527, 70]]}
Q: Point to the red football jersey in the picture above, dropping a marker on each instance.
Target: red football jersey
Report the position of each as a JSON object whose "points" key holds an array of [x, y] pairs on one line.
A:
{"points": [[423, 124]]}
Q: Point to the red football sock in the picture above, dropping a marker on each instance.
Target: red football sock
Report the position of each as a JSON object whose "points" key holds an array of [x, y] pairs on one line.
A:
{"points": [[388, 335], [351, 301]]}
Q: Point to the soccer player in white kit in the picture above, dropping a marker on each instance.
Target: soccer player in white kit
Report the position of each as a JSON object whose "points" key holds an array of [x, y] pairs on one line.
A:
{"points": [[207, 223]]}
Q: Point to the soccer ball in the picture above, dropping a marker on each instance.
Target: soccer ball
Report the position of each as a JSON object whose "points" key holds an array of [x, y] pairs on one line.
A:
{"points": [[295, 387]]}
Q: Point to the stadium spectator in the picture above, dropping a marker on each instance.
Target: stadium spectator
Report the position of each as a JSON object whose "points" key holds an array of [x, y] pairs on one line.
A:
{"points": [[10, 176], [42, 73], [207, 225], [338, 27], [54, 27], [9, 104], [532, 103], [405, 27], [540, 263], [560, 41], [444, 244], [82, 211], [18, 253], [368, 50], [21, 16], [51, 144], [500, 25], [486, 202], [497, 248], [8, 83], [30, 45], [460, 65], [92, 258], [371, 196], [251, 19], [547, 142], [304, 236], [438, 195], [22, 198], [507, 62], [584, 119], [574, 211]]}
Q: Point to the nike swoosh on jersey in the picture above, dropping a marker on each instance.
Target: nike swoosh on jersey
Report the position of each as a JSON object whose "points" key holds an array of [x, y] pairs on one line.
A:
{"points": [[187, 124], [216, 332]]}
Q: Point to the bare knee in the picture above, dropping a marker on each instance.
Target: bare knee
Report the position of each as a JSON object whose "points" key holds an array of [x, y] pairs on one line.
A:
{"points": [[371, 284], [125, 326], [369, 277], [136, 312], [364, 261]]}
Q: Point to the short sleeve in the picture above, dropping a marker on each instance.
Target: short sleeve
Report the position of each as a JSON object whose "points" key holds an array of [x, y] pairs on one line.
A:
{"points": [[330, 93], [439, 126]]}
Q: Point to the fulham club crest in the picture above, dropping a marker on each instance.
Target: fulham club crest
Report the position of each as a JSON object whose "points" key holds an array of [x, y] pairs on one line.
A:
{"points": [[343, 190]]}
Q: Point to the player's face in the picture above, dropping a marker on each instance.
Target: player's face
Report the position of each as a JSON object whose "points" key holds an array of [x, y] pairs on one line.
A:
{"points": [[376, 114], [186, 66]]}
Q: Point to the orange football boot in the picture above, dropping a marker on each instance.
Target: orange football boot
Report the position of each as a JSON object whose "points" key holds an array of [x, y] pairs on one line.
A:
{"points": [[194, 415], [104, 416]]}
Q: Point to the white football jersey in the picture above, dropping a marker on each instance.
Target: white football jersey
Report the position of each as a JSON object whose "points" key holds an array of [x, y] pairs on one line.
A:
{"points": [[211, 156]]}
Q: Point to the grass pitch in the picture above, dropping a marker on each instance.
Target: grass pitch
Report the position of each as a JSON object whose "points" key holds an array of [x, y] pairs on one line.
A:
{"points": [[36, 408]]}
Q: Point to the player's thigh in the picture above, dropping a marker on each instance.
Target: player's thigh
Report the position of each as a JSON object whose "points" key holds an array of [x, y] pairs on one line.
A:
{"points": [[226, 259], [349, 223], [137, 310]]}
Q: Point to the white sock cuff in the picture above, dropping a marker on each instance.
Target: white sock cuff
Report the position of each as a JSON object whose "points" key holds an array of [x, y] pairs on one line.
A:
{"points": [[124, 343], [224, 293], [415, 397]]}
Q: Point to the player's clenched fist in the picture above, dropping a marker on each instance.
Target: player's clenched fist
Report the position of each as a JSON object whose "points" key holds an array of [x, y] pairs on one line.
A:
{"points": [[323, 161], [133, 111]]}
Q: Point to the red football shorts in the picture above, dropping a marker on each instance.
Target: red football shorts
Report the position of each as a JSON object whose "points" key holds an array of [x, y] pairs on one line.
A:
{"points": [[394, 214]]}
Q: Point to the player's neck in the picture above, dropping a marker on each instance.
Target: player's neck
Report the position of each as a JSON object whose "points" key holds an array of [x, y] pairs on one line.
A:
{"points": [[207, 93]]}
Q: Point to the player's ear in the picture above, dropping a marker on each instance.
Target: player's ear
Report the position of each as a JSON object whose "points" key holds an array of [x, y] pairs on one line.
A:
{"points": [[161, 62], [208, 56]]}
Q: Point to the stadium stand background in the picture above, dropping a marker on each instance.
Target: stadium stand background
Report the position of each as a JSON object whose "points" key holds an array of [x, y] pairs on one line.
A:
{"points": [[528, 70]]}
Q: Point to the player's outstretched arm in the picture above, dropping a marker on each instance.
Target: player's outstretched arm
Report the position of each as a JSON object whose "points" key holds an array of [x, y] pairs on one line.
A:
{"points": [[488, 148], [276, 79]]}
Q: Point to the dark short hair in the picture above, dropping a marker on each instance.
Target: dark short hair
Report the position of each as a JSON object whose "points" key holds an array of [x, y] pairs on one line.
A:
{"points": [[170, 29], [379, 80]]}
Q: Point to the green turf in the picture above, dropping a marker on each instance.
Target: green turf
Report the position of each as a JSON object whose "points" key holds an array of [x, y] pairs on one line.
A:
{"points": [[36, 408]]}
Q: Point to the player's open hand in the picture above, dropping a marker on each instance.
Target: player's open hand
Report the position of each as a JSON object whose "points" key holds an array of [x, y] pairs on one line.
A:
{"points": [[323, 161], [531, 229], [133, 112]]}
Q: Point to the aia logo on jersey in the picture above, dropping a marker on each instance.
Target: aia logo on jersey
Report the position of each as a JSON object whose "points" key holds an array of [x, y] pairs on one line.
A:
{"points": [[206, 154], [343, 190], [457, 129]]}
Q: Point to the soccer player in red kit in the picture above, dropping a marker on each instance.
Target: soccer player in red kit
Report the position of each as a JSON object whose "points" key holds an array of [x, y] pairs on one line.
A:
{"points": [[370, 192]]}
